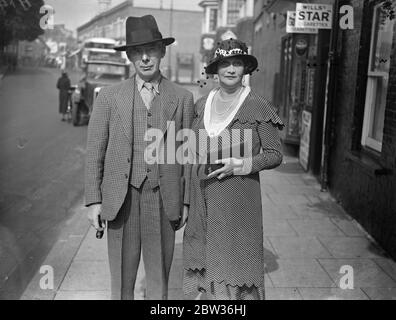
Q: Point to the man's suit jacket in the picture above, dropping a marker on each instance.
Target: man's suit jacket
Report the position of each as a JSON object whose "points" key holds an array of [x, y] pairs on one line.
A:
{"points": [[109, 147]]}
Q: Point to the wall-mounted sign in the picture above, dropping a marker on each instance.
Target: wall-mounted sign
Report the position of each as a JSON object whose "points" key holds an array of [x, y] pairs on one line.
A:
{"points": [[291, 25], [208, 43], [301, 47], [318, 16]]}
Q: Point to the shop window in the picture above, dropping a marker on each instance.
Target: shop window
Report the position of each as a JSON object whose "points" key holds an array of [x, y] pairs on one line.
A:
{"points": [[378, 79]]}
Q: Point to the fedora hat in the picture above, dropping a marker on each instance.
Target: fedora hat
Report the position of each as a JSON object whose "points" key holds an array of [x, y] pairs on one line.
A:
{"points": [[231, 48], [142, 30]]}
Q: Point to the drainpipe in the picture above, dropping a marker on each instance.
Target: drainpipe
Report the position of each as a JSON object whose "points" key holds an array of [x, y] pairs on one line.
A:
{"points": [[329, 97]]}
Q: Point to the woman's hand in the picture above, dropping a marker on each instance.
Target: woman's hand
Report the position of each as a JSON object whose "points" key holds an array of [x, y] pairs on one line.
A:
{"points": [[228, 169]]}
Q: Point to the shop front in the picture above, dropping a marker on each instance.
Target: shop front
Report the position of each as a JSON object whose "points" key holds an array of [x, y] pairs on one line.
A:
{"points": [[300, 86]]}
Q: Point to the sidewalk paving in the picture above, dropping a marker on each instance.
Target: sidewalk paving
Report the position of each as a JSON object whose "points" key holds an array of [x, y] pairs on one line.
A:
{"points": [[308, 238]]}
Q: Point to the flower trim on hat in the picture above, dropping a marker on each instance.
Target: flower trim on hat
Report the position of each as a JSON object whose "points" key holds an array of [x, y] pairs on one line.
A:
{"points": [[227, 53]]}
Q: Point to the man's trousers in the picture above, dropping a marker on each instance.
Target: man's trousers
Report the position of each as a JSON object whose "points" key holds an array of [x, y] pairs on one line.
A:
{"points": [[140, 224]]}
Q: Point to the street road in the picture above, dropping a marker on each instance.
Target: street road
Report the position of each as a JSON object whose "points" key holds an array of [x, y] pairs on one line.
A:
{"points": [[41, 173]]}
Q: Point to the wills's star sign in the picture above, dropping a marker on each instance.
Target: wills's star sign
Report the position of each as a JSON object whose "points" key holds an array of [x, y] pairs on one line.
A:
{"points": [[291, 25], [318, 16]]}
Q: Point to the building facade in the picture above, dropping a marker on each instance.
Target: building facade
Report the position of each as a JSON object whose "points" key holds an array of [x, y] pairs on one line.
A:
{"points": [[182, 60], [224, 19], [362, 159], [32, 53], [335, 91]]}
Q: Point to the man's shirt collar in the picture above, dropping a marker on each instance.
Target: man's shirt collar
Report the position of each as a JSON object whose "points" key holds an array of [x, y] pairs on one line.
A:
{"points": [[155, 82]]}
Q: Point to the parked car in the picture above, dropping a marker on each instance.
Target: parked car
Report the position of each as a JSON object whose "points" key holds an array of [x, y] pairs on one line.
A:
{"points": [[102, 67]]}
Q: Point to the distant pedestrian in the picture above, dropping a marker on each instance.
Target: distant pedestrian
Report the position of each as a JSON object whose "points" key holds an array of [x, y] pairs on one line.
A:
{"points": [[223, 250], [63, 85]]}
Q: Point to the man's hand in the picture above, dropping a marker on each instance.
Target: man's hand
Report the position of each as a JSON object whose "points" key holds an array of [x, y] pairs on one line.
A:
{"points": [[178, 224], [93, 217]]}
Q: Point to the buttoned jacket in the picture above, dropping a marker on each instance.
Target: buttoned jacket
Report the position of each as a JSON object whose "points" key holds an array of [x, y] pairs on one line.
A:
{"points": [[109, 147]]}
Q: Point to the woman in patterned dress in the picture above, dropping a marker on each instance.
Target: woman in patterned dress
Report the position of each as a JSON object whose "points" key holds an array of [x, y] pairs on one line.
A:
{"points": [[223, 238]]}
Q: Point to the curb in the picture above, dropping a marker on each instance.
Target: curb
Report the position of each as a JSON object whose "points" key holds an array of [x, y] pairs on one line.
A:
{"points": [[60, 257]]}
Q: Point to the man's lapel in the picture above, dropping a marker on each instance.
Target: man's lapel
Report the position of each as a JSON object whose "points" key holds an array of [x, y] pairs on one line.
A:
{"points": [[125, 103], [168, 102]]}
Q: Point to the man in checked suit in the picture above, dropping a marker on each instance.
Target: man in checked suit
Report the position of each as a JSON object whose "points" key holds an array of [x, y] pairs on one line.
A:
{"points": [[143, 203]]}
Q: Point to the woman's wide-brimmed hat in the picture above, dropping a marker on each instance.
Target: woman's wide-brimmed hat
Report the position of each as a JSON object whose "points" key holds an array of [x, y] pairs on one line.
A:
{"points": [[231, 48], [142, 30]]}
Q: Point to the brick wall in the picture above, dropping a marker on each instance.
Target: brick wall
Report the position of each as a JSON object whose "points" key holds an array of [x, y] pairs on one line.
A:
{"points": [[361, 180]]}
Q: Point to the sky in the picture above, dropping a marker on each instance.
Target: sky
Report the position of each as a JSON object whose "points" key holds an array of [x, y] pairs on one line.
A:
{"points": [[74, 13]]}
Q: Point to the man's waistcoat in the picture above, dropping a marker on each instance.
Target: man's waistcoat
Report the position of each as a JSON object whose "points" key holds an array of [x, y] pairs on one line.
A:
{"points": [[144, 120]]}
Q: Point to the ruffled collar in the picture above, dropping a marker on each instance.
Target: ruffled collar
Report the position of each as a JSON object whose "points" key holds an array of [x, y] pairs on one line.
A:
{"points": [[254, 109], [216, 130]]}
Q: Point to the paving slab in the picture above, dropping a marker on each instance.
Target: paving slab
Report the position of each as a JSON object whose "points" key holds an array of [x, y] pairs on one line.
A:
{"points": [[83, 295], [277, 228], [279, 198], [366, 273], [176, 274], [332, 294], [178, 251], [267, 188], [299, 247], [300, 273], [351, 247], [315, 227], [388, 265], [381, 293], [269, 179], [350, 227], [278, 211], [293, 190], [296, 180], [267, 281], [59, 263], [93, 249], [176, 294], [316, 211], [282, 294], [87, 276]]}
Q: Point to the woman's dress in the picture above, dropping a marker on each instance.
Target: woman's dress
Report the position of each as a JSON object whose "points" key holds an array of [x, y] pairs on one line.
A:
{"points": [[223, 238]]}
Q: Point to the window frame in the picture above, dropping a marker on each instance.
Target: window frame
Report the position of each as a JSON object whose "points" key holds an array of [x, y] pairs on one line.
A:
{"points": [[371, 89]]}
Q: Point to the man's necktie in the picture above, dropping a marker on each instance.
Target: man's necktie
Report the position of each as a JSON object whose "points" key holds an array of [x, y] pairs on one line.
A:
{"points": [[150, 93]]}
